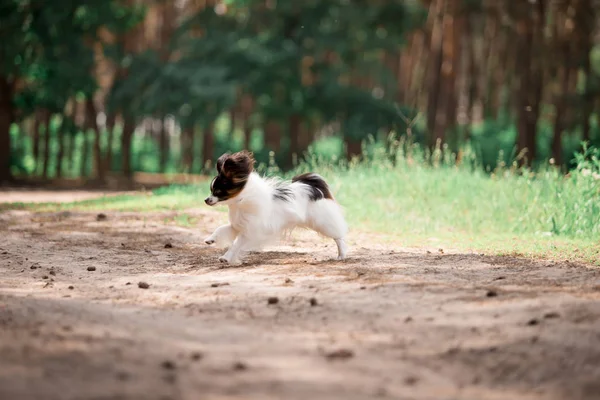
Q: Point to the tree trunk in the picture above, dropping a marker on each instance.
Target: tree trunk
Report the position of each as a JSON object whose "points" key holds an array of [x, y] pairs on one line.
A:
{"points": [[85, 125], [71, 152], [126, 138], [472, 73], [164, 145], [110, 130], [294, 126], [452, 61], [559, 117], [167, 26], [168, 23], [247, 133], [393, 61], [491, 60], [85, 154], [588, 103], [537, 77], [61, 137], [585, 25], [272, 135], [563, 41], [435, 76], [208, 145], [47, 140], [416, 69], [504, 76], [353, 148], [36, 140], [233, 113], [92, 119], [247, 105], [6, 119], [529, 27], [307, 130], [187, 148]]}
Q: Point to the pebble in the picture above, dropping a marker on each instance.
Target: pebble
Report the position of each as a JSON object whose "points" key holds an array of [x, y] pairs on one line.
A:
{"points": [[341, 354]]}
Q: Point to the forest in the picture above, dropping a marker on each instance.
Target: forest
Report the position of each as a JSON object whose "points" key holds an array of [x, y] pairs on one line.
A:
{"points": [[100, 88]]}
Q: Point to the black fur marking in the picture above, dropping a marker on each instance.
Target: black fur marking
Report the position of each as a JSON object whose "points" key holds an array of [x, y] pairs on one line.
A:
{"points": [[319, 188], [283, 193], [233, 172]]}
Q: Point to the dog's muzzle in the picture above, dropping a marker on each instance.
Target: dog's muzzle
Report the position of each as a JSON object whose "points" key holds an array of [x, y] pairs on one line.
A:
{"points": [[211, 200]]}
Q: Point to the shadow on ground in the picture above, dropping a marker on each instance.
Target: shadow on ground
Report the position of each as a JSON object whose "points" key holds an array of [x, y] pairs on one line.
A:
{"points": [[290, 323]]}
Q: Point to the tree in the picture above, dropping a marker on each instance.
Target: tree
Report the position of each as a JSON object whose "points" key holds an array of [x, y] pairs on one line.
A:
{"points": [[563, 38], [6, 119], [295, 58], [530, 24], [436, 128], [33, 71], [584, 26]]}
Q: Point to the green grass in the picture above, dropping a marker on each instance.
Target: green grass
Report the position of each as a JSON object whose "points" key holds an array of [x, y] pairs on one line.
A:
{"points": [[508, 212]]}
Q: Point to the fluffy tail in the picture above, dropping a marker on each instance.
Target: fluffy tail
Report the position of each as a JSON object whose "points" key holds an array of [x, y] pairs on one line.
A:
{"points": [[318, 187]]}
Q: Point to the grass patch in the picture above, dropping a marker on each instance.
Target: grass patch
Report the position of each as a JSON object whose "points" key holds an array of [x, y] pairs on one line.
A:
{"points": [[507, 212], [177, 197]]}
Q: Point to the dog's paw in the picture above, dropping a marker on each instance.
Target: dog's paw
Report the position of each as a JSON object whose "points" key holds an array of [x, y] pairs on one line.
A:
{"points": [[209, 241], [226, 260]]}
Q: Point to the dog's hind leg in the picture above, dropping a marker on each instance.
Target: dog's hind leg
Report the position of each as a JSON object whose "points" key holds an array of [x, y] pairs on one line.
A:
{"points": [[325, 217], [342, 248]]}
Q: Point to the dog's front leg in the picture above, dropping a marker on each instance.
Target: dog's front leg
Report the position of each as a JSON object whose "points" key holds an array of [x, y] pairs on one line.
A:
{"points": [[233, 255], [223, 236]]}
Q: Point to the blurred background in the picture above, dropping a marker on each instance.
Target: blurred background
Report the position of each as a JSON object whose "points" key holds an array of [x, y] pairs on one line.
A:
{"points": [[102, 90]]}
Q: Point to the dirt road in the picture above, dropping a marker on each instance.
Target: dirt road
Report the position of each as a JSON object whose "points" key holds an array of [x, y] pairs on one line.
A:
{"points": [[291, 324]]}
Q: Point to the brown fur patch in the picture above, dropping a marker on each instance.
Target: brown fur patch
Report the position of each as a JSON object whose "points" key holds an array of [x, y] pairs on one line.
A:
{"points": [[233, 172], [238, 165]]}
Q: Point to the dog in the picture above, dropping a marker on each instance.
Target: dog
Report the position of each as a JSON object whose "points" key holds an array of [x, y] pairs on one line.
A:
{"points": [[262, 209]]}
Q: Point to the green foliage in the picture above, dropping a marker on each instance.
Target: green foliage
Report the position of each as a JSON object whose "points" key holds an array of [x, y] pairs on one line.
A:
{"points": [[47, 48], [494, 143], [265, 52]]}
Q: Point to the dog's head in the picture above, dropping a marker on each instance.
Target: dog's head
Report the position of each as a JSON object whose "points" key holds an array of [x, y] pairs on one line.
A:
{"points": [[233, 171]]}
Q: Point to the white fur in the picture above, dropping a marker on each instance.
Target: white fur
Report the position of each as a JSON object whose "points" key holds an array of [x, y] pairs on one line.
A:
{"points": [[256, 218]]}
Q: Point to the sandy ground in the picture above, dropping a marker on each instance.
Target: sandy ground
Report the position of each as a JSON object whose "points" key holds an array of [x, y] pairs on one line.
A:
{"points": [[389, 322]]}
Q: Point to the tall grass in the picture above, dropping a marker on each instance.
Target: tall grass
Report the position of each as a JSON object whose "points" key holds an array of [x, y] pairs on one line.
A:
{"points": [[404, 193]]}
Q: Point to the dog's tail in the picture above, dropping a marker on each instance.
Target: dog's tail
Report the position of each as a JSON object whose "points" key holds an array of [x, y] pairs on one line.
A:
{"points": [[318, 187]]}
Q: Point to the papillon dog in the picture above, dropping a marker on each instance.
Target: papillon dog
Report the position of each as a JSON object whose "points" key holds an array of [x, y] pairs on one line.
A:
{"points": [[262, 209]]}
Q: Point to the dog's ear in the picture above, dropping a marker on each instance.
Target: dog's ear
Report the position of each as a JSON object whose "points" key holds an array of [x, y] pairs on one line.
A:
{"points": [[221, 162], [238, 165]]}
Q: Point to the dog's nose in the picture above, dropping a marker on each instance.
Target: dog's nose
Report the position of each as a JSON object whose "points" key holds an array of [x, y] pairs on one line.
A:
{"points": [[207, 200]]}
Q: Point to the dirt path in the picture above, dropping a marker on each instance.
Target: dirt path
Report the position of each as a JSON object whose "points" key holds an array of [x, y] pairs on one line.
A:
{"points": [[26, 195], [388, 323]]}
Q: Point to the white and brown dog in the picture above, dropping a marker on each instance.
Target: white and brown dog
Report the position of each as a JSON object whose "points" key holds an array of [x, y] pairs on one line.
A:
{"points": [[262, 209]]}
